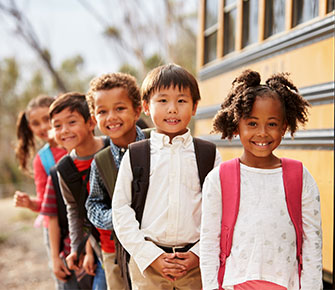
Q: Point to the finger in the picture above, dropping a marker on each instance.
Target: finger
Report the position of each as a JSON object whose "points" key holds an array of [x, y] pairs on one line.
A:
{"points": [[65, 270]]}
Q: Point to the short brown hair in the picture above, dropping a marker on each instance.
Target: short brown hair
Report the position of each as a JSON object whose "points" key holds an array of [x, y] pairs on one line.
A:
{"points": [[114, 80], [73, 101], [169, 75]]}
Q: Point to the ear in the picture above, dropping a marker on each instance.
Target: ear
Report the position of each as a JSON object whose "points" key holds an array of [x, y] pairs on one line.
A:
{"points": [[138, 111], [146, 108], [284, 129], [194, 110], [91, 122]]}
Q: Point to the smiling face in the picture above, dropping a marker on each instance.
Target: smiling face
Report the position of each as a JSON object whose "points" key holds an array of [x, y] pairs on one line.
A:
{"points": [[261, 132], [171, 110], [71, 130], [116, 115], [39, 124]]}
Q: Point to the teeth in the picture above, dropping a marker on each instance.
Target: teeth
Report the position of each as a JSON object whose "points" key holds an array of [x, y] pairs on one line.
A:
{"points": [[172, 120], [114, 126], [261, 144]]}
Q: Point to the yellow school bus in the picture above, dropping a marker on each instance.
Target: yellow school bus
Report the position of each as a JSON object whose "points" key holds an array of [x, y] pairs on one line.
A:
{"points": [[272, 36]]}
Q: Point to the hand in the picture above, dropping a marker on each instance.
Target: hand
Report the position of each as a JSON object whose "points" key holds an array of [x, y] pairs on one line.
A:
{"points": [[188, 260], [60, 270], [166, 266], [73, 263], [89, 265], [22, 199]]}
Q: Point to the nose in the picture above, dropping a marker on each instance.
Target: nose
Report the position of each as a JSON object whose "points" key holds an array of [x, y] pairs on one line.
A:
{"points": [[262, 131], [172, 109], [110, 115]]}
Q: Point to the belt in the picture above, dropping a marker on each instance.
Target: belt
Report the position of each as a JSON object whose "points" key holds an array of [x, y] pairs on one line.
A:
{"points": [[176, 248]]}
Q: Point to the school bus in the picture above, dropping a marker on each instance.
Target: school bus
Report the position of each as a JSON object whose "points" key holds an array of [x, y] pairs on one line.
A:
{"points": [[269, 37]]}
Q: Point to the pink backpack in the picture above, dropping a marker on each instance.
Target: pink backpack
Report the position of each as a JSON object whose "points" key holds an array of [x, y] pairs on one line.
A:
{"points": [[230, 188]]}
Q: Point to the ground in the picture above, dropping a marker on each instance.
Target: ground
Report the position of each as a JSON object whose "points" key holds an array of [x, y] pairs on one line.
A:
{"points": [[23, 256]]}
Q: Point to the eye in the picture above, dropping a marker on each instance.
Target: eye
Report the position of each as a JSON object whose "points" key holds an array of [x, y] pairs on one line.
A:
{"points": [[182, 101], [57, 126], [162, 100], [101, 112], [273, 124], [72, 122], [119, 109], [252, 124]]}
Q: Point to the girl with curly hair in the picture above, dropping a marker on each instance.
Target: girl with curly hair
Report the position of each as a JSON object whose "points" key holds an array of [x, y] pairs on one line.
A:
{"points": [[265, 248]]}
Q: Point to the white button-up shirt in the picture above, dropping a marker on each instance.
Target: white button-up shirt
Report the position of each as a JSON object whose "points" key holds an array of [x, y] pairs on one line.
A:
{"points": [[172, 212]]}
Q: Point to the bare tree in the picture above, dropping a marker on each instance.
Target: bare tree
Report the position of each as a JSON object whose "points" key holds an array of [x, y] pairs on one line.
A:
{"points": [[143, 29], [26, 31]]}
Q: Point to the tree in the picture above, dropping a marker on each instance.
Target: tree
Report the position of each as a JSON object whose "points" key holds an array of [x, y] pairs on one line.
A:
{"points": [[25, 30], [149, 33]]}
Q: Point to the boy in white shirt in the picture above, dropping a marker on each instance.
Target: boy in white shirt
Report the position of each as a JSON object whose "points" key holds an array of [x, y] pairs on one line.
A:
{"points": [[164, 249]]}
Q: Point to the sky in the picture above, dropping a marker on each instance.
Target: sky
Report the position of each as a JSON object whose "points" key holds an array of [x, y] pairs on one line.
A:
{"points": [[66, 28]]}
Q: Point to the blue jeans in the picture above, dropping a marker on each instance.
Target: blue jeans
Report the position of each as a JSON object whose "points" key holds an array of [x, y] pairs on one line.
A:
{"points": [[99, 280]]}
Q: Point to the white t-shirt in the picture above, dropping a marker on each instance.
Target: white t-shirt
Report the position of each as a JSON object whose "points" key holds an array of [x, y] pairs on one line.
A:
{"points": [[264, 241]]}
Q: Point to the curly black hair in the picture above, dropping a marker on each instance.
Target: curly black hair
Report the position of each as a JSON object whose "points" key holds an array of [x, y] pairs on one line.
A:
{"points": [[245, 88]]}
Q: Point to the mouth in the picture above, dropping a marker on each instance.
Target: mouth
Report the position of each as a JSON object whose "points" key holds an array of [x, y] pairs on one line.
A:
{"points": [[113, 127], [261, 144], [69, 138], [172, 121]]}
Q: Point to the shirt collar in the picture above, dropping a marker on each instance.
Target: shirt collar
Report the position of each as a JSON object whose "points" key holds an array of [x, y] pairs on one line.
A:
{"points": [[162, 140]]}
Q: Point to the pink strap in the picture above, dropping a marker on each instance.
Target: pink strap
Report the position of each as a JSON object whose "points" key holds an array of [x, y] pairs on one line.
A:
{"points": [[230, 189]]}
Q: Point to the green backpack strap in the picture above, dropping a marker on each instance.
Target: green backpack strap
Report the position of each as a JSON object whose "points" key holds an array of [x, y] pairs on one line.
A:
{"points": [[107, 169]]}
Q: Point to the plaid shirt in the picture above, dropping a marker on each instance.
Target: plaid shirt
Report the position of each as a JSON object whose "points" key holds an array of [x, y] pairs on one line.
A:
{"points": [[98, 203]]}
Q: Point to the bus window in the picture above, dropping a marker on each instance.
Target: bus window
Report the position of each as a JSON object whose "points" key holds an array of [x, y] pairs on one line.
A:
{"points": [[211, 19], [304, 10], [230, 15], [250, 22], [330, 5], [274, 17]]}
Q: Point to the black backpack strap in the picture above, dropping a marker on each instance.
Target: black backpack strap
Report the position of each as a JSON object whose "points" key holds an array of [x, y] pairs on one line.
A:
{"points": [[61, 208], [74, 181], [205, 153], [139, 153], [107, 169]]}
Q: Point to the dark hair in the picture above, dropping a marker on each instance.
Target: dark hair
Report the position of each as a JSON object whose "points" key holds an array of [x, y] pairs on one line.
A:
{"points": [[111, 81], [169, 75], [245, 88], [25, 136], [73, 101]]}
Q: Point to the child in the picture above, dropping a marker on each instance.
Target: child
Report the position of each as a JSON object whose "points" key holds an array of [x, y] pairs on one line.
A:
{"points": [[31, 123], [115, 103], [54, 208], [264, 241], [164, 250], [73, 128]]}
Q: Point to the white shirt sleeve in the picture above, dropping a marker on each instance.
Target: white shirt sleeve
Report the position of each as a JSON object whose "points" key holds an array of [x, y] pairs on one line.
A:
{"points": [[311, 277], [210, 230], [125, 224]]}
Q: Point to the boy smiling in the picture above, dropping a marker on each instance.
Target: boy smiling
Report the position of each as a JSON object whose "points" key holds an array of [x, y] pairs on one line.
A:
{"points": [[164, 250]]}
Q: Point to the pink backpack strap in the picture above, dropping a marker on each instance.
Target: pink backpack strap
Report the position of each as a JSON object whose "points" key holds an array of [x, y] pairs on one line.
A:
{"points": [[230, 189], [293, 182]]}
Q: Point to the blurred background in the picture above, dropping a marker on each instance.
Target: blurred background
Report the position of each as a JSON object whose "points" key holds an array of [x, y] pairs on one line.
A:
{"points": [[55, 46]]}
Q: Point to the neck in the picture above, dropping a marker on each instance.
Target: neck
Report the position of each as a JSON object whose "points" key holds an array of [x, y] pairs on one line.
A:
{"points": [[89, 147], [269, 162]]}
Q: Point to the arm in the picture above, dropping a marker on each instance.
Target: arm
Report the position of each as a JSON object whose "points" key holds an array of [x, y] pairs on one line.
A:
{"points": [[59, 268], [210, 230], [98, 203], [311, 277], [22, 199], [125, 224], [40, 177], [89, 263], [75, 222]]}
